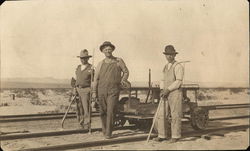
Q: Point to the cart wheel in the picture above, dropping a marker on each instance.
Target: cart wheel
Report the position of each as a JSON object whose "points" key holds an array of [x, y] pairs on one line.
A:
{"points": [[199, 118], [119, 122]]}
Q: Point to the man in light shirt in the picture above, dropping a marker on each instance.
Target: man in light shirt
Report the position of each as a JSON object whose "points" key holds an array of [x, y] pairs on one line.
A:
{"points": [[171, 93], [83, 86]]}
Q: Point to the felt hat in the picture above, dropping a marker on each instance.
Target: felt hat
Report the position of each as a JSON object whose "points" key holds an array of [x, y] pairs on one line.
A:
{"points": [[169, 50], [107, 43], [84, 54]]}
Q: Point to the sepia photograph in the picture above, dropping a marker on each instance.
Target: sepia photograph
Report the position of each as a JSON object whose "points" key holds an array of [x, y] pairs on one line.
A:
{"points": [[124, 75]]}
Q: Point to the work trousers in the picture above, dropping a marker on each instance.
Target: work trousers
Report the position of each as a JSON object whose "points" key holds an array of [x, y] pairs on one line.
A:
{"points": [[173, 107], [83, 105], [108, 98]]}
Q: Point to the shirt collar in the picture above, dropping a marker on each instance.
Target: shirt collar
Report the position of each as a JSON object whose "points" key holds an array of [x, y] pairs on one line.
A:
{"points": [[170, 64]]}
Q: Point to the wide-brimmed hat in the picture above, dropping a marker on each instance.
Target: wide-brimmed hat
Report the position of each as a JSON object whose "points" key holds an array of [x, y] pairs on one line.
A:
{"points": [[169, 50], [84, 54], [107, 43]]}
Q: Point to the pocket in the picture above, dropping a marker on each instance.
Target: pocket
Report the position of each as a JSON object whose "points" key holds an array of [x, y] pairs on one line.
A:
{"points": [[86, 90], [114, 91]]}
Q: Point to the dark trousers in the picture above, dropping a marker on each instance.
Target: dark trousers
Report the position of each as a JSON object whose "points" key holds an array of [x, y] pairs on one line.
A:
{"points": [[108, 101]]}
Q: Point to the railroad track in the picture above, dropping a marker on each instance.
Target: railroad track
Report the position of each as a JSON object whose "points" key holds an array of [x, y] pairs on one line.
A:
{"points": [[227, 106], [7, 136], [53, 133], [33, 117], [41, 114], [142, 137]]}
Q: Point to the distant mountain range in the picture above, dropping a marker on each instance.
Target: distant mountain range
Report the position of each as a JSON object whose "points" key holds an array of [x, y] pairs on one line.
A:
{"points": [[49, 82]]}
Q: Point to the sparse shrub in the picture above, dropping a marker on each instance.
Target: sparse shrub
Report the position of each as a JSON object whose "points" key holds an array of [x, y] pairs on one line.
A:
{"points": [[28, 91], [236, 90], [221, 89], [19, 95], [4, 104], [49, 112], [43, 91], [35, 102], [60, 91], [35, 99], [25, 92], [248, 91], [205, 96], [201, 96]]}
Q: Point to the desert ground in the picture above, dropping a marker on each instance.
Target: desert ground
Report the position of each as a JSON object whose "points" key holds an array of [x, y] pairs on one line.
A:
{"points": [[32, 101]]}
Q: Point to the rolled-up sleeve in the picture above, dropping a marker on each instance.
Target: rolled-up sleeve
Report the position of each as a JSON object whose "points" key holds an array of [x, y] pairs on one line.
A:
{"points": [[179, 74], [125, 71]]}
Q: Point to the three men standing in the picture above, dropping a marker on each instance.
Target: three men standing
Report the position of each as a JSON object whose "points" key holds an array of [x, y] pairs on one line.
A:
{"points": [[171, 93], [110, 74]]}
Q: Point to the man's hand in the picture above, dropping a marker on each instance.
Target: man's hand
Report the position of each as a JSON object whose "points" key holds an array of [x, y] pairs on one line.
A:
{"points": [[165, 93], [73, 82], [94, 95], [73, 91], [125, 84]]}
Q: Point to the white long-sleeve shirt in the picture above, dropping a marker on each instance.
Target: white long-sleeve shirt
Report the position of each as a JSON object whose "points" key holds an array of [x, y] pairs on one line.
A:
{"points": [[179, 74]]}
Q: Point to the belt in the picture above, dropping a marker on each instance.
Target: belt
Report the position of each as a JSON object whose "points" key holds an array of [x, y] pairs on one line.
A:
{"points": [[79, 86]]}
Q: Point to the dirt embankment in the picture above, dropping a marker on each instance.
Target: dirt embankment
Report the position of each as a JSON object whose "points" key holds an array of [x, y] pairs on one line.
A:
{"points": [[31, 101]]}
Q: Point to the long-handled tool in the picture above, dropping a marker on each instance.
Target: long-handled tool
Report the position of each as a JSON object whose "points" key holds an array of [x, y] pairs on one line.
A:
{"points": [[149, 85], [92, 80], [154, 119], [72, 100], [90, 110]]}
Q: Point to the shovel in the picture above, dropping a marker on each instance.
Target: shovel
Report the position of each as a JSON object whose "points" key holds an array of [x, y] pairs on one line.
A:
{"points": [[72, 100], [154, 119]]}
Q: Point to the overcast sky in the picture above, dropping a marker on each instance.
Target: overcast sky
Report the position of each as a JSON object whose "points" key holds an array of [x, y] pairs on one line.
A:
{"points": [[42, 38]]}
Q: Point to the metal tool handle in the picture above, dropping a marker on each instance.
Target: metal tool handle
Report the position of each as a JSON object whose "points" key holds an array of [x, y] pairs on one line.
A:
{"points": [[91, 93], [72, 100], [155, 116], [149, 85]]}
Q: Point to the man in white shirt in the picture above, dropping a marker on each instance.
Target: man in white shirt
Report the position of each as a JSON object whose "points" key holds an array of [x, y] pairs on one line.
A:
{"points": [[171, 93]]}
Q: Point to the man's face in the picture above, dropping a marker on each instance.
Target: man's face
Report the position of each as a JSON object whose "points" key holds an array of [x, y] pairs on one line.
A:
{"points": [[170, 57], [84, 60], [107, 51]]}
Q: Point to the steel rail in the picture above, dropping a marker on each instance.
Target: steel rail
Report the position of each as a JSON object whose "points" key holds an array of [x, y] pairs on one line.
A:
{"points": [[21, 119], [41, 114], [131, 139], [73, 113], [75, 131], [230, 104], [12, 119], [45, 134], [229, 118], [230, 107], [225, 105], [34, 117], [53, 133]]}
